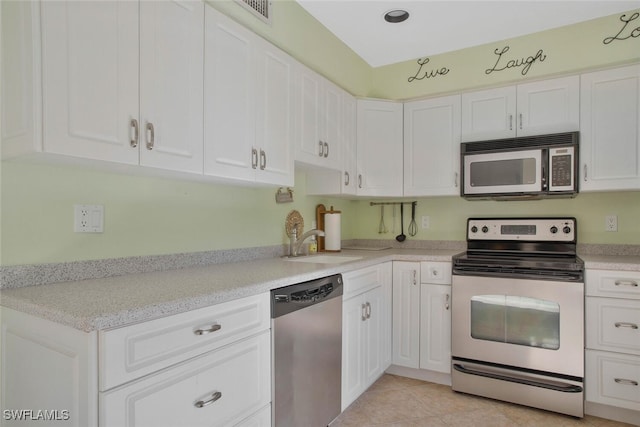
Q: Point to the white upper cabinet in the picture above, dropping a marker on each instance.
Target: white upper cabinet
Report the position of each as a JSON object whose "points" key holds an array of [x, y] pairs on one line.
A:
{"points": [[432, 147], [610, 130], [379, 148], [548, 106], [249, 99], [122, 82], [319, 112]]}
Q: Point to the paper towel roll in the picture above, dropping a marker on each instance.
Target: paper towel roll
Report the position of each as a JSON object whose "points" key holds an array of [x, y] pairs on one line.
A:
{"points": [[332, 232]]}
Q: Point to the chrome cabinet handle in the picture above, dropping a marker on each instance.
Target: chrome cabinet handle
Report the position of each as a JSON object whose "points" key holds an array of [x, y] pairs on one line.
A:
{"points": [[585, 172], [626, 382], [368, 310], [455, 179], [446, 302], [363, 312], [212, 328], [321, 149], [510, 121], [520, 121], [214, 397], [263, 160], [626, 325], [346, 178], [359, 180], [326, 151], [254, 158], [631, 283], [151, 133], [415, 280], [136, 132]]}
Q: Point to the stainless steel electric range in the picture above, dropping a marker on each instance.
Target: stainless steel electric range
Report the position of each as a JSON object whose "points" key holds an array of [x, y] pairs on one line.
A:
{"points": [[518, 313]]}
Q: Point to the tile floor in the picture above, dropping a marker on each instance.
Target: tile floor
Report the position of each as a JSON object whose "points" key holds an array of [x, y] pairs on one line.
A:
{"points": [[395, 401]]}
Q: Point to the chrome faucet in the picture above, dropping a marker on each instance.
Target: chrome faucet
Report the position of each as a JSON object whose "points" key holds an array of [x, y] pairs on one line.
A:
{"points": [[295, 244]]}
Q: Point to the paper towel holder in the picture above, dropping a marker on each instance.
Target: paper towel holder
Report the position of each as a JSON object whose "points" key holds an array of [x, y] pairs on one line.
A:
{"points": [[323, 214], [321, 210]]}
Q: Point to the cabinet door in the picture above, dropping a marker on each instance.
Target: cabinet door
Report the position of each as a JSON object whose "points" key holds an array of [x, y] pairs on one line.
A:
{"points": [[309, 147], [379, 148], [489, 114], [349, 145], [90, 79], [229, 107], [548, 106], [435, 328], [432, 147], [274, 115], [373, 336], [610, 129], [332, 122], [220, 388], [406, 314], [171, 84], [353, 316]]}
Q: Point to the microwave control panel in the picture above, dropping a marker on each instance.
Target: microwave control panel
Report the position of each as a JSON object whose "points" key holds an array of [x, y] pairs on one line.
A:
{"points": [[522, 229], [561, 169]]}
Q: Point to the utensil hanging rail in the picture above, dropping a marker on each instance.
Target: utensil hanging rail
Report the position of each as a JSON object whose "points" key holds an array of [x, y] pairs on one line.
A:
{"points": [[415, 202]]}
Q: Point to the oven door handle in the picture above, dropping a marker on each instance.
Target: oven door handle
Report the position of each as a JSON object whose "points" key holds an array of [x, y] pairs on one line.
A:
{"points": [[536, 383]]}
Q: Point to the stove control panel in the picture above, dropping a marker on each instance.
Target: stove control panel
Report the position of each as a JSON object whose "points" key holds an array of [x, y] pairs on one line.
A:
{"points": [[522, 229]]}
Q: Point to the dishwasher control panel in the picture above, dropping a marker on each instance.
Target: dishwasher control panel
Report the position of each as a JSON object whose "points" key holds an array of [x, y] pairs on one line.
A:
{"points": [[291, 298]]}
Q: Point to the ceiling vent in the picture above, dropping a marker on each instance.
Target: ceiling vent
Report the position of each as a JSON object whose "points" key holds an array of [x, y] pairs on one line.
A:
{"points": [[260, 8]]}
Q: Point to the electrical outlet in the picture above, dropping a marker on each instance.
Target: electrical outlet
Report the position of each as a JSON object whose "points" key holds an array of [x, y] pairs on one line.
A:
{"points": [[88, 218], [611, 223], [425, 222]]}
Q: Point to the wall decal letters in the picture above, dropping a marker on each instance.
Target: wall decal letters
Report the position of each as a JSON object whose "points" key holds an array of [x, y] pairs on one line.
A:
{"points": [[426, 74], [525, 63], [632, 32]]}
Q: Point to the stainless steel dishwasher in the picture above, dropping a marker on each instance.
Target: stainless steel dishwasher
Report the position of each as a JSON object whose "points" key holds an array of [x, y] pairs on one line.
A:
{"points": [[307, 352]]}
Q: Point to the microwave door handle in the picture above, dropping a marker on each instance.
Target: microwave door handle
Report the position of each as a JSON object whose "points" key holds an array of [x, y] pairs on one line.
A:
{"points": [[544, 178]]}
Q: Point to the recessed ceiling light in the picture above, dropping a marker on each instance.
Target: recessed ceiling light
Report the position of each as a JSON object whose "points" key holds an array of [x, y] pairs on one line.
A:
{"points": [[395, 16]]}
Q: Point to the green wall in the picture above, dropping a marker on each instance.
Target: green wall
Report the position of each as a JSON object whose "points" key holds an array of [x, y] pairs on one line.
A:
{"points": [[149, 215]]}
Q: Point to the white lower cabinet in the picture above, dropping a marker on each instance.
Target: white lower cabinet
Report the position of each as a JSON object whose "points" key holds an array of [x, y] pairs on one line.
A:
{"points": [[217, 389], [366, 329], [612, 360], [422, 315]]}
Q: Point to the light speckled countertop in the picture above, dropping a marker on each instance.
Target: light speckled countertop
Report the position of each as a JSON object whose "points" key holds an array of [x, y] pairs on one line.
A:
{"points": [[96, 304]]}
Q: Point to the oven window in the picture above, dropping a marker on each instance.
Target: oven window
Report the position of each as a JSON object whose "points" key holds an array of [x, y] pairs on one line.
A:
{"points": [[516, 320], [503, 172]]}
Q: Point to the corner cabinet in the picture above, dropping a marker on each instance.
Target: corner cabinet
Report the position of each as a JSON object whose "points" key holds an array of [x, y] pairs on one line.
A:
{"points": [[546, 106], [248, 105], [610, 130], [366, 329], [432, 147], [379, 148], [122, 82]]}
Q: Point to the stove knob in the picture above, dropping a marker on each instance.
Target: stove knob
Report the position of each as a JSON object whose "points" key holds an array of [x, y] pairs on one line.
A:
{"points": [[485, 229], [554, 230], [566, 229], [474, 229]]}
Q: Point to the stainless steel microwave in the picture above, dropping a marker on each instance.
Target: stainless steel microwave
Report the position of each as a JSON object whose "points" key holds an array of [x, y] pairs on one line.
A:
{"points": [[520, 168]]}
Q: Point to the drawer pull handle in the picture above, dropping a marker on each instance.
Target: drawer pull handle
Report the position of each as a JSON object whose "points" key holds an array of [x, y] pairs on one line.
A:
{"points": [[626, 325], [631, 283], [214, 397], [213, 328], [626, 382]]}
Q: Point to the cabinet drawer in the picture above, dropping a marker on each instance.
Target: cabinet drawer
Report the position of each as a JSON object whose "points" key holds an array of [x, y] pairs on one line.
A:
{"points": [[136, 350], [616, 284], [435, 272], [359, 281], [613, 324], [218, 388], [613, 379]]}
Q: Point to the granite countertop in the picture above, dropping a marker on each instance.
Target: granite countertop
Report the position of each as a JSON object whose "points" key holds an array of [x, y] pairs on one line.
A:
{"points": [[97, 304]]}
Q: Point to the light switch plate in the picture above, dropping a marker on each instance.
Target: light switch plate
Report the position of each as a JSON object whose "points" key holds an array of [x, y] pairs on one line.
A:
{"points": [[88, 218]]}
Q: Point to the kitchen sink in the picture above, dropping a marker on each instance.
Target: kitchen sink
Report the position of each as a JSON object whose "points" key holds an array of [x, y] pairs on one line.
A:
{"points": [[324, 259]]}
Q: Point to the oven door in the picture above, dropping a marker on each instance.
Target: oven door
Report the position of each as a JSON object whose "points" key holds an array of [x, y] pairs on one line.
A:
{"points": [[503, 173], [531, 324]]}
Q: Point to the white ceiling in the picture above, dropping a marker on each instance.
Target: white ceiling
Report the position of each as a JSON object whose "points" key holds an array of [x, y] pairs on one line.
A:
{"points": [[437, 26]]}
